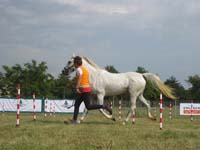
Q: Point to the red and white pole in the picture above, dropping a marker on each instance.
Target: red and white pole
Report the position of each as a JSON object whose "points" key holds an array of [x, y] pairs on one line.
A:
{"points": [[54, 108], [120, 109], [161, 110], [34, 108], [191, 114], [170, 110], [133, 117], [18, 105], [50, 108], [46, 104]]}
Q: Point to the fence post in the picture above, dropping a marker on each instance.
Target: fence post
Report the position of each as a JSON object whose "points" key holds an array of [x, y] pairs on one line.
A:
{"points": [[161, 110], [120, 109], [34, 108], [18, 105], [170, 110], [191, 114]]}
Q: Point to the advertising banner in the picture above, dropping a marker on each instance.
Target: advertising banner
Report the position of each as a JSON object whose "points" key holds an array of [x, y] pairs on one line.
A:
{"points": [[26, 105], [189, 109], [62, 106]]}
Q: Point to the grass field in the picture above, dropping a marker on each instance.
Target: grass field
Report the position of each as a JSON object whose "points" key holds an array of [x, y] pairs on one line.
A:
{"points": [[98, 133]]}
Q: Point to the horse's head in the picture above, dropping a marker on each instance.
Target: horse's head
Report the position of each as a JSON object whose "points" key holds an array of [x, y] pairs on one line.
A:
{"points": [[69, 68]]}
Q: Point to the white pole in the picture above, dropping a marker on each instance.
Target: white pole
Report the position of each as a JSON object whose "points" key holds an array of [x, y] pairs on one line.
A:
{"points": [[161, 110]]}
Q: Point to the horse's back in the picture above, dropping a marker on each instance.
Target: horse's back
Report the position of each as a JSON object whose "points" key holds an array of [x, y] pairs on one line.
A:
{"points": [[137, 82], [115, 83], [119, 83], [135, 76]]}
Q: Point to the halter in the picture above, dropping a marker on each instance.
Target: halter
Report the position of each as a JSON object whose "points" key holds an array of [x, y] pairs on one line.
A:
{"points": [[67, 69]]}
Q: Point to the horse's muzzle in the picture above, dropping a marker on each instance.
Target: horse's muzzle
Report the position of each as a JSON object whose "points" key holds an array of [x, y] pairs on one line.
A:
{"points": [[65, 71]]}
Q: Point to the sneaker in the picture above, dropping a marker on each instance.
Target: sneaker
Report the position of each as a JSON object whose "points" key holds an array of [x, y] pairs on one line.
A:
{"points": [[71, 122], [108, 109], [74, 121]]}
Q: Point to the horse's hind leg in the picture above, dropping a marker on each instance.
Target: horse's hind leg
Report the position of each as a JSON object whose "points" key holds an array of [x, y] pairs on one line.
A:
{"points": [[141, 97], [132, 109], [85, 112]]}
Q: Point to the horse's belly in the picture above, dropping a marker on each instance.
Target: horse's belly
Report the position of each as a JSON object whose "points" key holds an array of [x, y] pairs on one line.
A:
{"points": [[116, 88], [115, 91]]}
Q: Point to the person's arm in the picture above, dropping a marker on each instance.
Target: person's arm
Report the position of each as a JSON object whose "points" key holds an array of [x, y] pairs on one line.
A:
{"points": [[79, 77]]}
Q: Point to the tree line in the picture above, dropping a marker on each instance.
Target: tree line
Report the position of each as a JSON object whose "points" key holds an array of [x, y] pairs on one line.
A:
{"points": [[33, 77]]}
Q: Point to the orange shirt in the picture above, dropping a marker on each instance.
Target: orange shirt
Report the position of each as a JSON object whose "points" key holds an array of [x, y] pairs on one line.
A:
{"points": [[84, 83]]}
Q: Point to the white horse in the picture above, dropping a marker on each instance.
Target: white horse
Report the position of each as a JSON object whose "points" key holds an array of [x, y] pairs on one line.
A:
{"points": [[104, 83]]}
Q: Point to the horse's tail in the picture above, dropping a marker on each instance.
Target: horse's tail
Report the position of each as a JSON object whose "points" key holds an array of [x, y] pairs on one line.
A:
{"points": [[167, 91]]}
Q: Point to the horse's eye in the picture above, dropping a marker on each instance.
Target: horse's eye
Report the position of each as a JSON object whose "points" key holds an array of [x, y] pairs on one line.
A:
{"points": [[69, 62]]}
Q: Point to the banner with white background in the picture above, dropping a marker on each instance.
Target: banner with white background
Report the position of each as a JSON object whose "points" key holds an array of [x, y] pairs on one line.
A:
{"points": [[26, 105], [189, 108], [66, 106]]}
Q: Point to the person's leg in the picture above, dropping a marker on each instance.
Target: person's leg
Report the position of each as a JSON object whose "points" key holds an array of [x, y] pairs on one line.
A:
{"points": [[78, 102], [86, 98]]}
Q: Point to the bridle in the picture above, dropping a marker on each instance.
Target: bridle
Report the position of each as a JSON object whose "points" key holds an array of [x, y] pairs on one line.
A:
{"points": [[67, 70]]}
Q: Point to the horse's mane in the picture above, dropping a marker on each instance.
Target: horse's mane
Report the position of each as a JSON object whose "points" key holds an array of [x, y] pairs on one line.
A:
{"points": [[91, 62]]}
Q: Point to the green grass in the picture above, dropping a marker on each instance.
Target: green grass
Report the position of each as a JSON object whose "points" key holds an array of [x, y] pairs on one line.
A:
{"points": [[98, 133]]}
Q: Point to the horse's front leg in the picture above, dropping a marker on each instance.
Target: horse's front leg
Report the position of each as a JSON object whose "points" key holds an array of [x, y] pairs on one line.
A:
{"points": [[85, 112], [100, 98]]}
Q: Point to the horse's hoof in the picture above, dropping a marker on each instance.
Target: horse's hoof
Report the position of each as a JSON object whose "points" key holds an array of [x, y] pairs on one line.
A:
{"points": [[154, 119], [66, 122], [123, 123], [113, 119], [133, 122]]}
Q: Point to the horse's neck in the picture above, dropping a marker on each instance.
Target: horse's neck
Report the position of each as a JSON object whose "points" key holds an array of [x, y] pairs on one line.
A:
{"points": [[90, 68]]}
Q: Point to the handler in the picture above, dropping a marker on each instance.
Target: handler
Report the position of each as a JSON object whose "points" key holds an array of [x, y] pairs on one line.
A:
{"points": [[83, 89]]}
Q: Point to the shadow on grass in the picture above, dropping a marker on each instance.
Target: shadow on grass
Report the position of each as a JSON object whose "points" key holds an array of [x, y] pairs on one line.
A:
{"points": [[98, 123], [44, 121], [61, 122]]}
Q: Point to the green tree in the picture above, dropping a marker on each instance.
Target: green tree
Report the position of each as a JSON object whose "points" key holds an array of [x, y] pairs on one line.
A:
{"points": [[64, 87], [178, 89], [12, 78], [32, 77], [36, 79], [3, 88], [111, 69], [194, 91], [150, 92], [141, 70]]}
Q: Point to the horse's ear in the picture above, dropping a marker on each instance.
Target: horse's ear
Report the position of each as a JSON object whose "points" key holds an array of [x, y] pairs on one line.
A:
{"points": [[73, 55]]}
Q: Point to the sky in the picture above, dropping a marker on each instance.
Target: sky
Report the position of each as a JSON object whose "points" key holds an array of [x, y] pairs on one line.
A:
{"points": [[160, 35]]}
